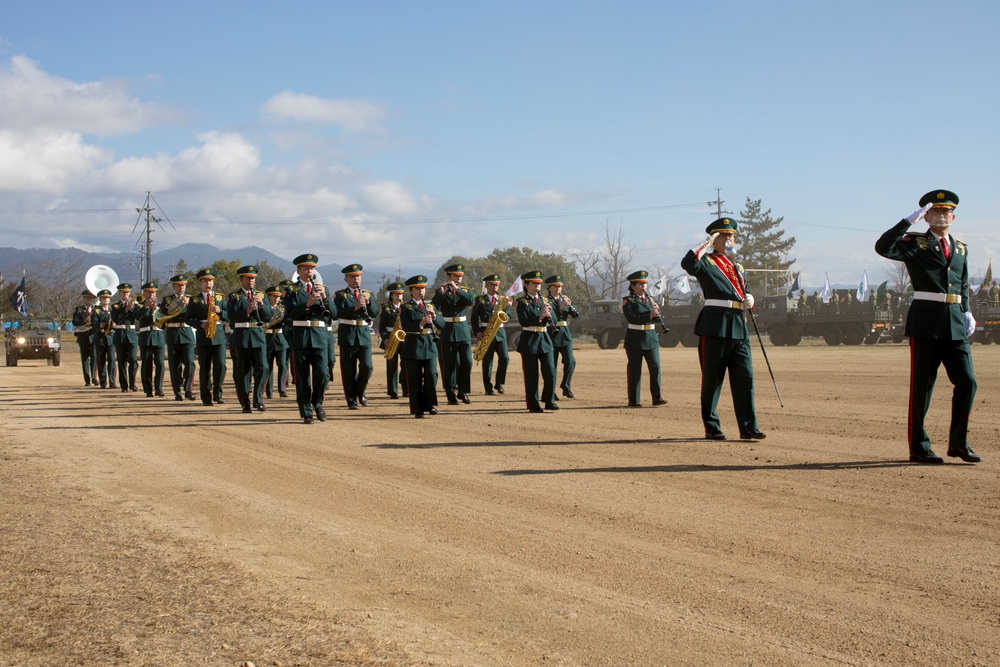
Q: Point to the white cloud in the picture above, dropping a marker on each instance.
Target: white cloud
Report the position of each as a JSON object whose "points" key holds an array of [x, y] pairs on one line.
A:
{"points": [[354, 115], [45, 160], [388, 198]]}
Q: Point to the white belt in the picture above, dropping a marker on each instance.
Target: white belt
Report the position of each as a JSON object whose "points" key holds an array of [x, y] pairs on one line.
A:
{"points": [[174, 325], [422, 332], [145, 329], [125, 326], [354, 323], [308, 323], [454, 319], [937, 296], [722, 303], [642, 327], [272, 332], [245, 325], [535, 329], [486, 324], [330, 329], [562, 323]]}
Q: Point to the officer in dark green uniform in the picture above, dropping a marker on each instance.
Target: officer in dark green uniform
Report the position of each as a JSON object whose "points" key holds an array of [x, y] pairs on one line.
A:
{"points": [[356, 311], [211, 351], [419, 350], [277, 345], [180, 338], [482, 313], [534, 313], [85, 337], [151, 342], [725, 342], [124, 314], [308, 307], [248, 311], [286, 328], [388, 314], [451, 300], [641, 340], [103, 342], [562, 339], [938, 323]]}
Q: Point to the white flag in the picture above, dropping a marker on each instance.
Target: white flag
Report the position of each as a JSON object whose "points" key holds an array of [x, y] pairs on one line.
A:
{"points": [[683, 286], [862, 294], [825, 294], [516, 288], [656, 289]]}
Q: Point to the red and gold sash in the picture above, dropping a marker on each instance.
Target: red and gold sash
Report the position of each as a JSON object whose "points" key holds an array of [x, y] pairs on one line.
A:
{"points": [[728, 270]]}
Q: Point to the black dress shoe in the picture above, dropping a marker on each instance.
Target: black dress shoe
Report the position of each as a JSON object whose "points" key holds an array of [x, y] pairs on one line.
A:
{"points": [[268, 396], [928, 457], [321, 413], [363, 400], [659, 400], [452, 401], [207, 404], [261, 408], [489, 392], [133, 389], [394, 396], [283, 394], [536, 410], [418, 415], [718, 435], [112, 385], [352, 406], [219, 400], [966, 455], [465, 399], [551, 406], [178, 397], [189, 396], [432, 411], [160, 394], [755, 434], [499, 388], [568, 393], [124, 391], [634, 405], [405, 395], [247, 410], [149, 394], [307, 420]]}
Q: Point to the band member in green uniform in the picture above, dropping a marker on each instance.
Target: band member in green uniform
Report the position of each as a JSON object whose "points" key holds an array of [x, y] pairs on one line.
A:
{"points": [[180, 339], [308, 307], [277, 345], [151, 342], [641, 340], [938, 323], [85, 337], [534, 313], [104, 350], [419, 350], [354, 335], [286, 329], [205, 310], [388, 314], [124, 315], [725, 342], [451, 299], [562, 339], [482, 313], [248, 312]]}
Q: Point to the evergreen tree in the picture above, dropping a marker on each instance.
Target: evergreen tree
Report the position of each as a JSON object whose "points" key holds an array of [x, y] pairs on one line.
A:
{"points": [[763, 245]]}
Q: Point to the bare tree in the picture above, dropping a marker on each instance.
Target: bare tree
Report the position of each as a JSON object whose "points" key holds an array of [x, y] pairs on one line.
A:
{"points": [[898, 276], [54, 288], [614, 259], [586, 261]]}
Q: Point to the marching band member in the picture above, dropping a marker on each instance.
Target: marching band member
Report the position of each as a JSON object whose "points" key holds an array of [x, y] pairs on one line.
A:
{"points": [[451, 299], [248, 312], [124, 315], [356, 311], [562, 339], [641, 339], [180, 340], [85, 337], [419, 350], [277, 346], [722, 325], [104, 351], [482, 312], [205, 311], [534, 313], [151, 342], [387, 315], [307, 307]]}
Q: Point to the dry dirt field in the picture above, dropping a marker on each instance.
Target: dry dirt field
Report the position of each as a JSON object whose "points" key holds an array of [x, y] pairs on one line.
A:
{"points": [[139, 531]]}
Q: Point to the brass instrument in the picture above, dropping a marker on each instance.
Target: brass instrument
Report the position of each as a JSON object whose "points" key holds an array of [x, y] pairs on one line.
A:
{"points": [[174, 308], [109, 325], [278, 314], [140, 300], [213, 317], [395, 338], [497, 319]]}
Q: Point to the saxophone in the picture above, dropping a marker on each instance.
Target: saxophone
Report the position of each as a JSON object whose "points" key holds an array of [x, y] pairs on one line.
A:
{"points": [[395, 338], [497, 319], [213, 318]]}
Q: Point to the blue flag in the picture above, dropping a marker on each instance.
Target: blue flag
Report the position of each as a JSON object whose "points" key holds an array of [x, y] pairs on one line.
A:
{"points": [[795, 287], [19, 300]]}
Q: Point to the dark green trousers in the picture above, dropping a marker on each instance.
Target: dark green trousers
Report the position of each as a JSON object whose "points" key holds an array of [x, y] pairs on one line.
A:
{"points": [[151, 368], [180, 362], [531, 364], [498, 349], [634, 373], [718, 356], [926, 355], [311, 378], [211, 371]]}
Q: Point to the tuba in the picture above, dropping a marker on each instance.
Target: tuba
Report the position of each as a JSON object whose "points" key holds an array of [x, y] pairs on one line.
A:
{"points": [[278, 314], [174, 308], [395, 338], [497, 320]]}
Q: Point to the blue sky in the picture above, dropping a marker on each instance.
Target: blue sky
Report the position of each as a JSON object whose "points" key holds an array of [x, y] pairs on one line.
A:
{"points": [[403, 133]]}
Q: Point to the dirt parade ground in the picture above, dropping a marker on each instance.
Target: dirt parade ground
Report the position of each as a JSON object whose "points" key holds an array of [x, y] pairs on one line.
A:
{"points": [[144, 531]]}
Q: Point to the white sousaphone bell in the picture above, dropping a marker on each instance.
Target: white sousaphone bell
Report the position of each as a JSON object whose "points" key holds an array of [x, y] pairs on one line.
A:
{"points": [[100, 277]]}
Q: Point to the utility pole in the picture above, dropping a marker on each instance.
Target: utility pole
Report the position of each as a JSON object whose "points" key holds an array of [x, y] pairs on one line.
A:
{"points": [[148, 254], [719, 212]]}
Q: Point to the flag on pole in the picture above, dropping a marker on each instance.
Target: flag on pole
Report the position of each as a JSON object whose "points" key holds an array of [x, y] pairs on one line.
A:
{"points": [[19, 299], [516, 288], [825, 294], [988, 278], [683, 286], [862, 294], [656, 289], [795, 287]]}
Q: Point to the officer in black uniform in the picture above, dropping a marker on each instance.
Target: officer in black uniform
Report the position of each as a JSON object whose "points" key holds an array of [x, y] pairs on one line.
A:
{"points": [[451, 301], [124, 315], [356, 311], [482, 313], [534, 313], [85, 337], [211, 351], [938, 323], [562, 339], [388, 315]]}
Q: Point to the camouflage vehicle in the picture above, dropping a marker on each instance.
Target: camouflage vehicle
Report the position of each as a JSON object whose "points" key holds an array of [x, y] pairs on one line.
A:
{"points": [[32, 338]]}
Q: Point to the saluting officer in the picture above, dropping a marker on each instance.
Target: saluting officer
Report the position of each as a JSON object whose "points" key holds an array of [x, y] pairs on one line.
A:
{"points": [[562, 339], [482, 313], [938, 323], [641, 340], [419, 350], [211, 351], [354, 335], [151, 342], [307, 307], [104, 351], [388, 314], [124, 315], [277, 345], [180, 339], [85, 337], [451, 299], [725, 342], [534, 313], [249, 312]]}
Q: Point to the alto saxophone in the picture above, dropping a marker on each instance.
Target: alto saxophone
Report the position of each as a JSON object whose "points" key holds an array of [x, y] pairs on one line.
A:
{"points": [[395, 338], [213, 318], [497, 320]]}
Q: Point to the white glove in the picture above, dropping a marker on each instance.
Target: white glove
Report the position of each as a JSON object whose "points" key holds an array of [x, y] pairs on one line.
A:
{"points": [[700, 251], [748, 302], [919, 213], [970, 324]]}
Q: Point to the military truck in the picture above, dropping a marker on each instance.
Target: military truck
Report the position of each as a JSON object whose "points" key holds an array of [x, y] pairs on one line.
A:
{"points": [[607, 324], [987, 314], [32, 338], [786, 321]]}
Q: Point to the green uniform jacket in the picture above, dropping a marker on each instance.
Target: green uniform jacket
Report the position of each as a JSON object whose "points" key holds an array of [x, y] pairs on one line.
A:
{"points": [[175, 335], [80, 315], [197, 312], [716, 320], [449, 304], [482, 311], [312, 337], [98, 321], [562, 336], [930, 272], [155, 336], [637, 311], [351, 335], [124, 319], [387, 316], [418, 344], [529, 313], [244, 338]]}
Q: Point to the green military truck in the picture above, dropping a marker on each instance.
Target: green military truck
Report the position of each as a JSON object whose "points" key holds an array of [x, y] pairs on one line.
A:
{"points": [[787, 321]]}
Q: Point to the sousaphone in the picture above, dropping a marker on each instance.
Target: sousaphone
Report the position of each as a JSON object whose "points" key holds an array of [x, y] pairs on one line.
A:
{"points": [[100, 277]]}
